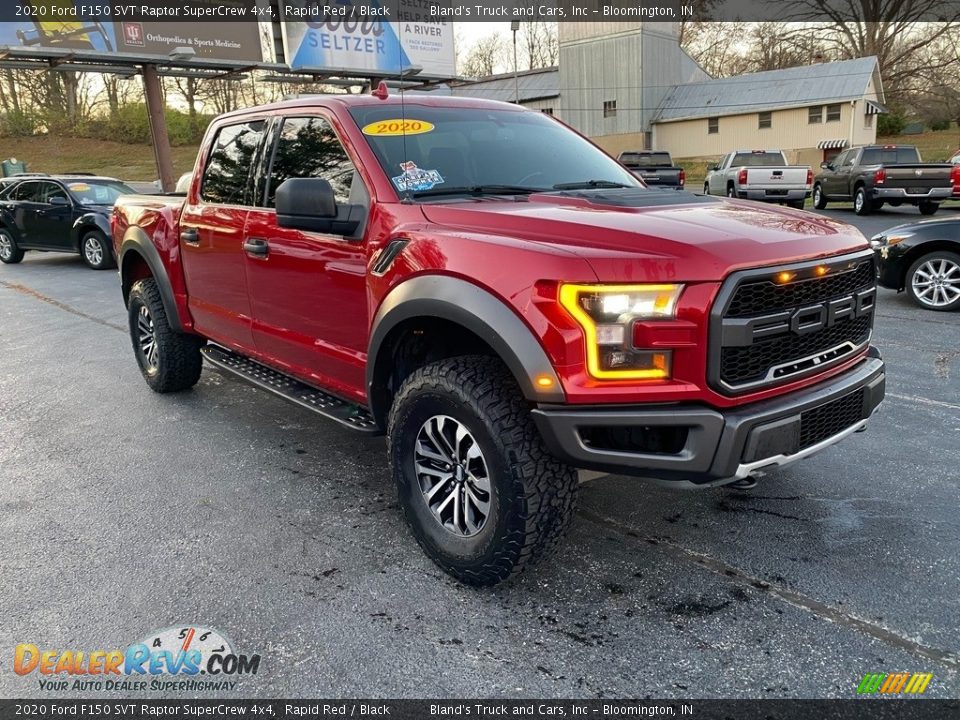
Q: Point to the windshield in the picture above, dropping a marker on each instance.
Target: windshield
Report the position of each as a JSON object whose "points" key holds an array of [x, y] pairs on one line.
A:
{"points": [[756, 159], [648, 160], [482, 150], [98, 192]]}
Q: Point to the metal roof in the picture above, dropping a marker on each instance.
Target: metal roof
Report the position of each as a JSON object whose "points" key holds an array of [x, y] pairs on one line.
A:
{"points": [[772, 90], [537, 84]]}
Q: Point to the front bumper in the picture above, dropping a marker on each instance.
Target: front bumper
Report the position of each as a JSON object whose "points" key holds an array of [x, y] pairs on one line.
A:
{"points": [[719, 446], [933, 194]]}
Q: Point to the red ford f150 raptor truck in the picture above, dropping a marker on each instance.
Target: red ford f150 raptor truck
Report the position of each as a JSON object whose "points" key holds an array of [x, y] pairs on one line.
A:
{"points": [[505, 302]]}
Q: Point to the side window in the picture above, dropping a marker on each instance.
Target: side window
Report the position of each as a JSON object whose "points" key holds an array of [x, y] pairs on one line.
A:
{"points": [[850, 157], [227, 173], [29, 192], [840, 159], [52, 190], [309, 148]]}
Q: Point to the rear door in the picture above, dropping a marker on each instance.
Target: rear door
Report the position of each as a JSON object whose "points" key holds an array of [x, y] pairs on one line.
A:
{"points": [[211, 235], [309, 290], [28, 197]]}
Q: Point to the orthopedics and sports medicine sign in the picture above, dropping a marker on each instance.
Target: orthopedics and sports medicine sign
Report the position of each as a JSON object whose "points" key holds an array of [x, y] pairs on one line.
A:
{"points": [[370, 38], [83, 25]]}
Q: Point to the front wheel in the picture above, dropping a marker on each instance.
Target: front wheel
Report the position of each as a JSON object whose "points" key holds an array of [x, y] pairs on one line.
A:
{"points": [[706, 189], [819, 199], [933, 281], [96, 250], [861, 205], [928, 208], [10, 254], [170, 361], [481, 493]]}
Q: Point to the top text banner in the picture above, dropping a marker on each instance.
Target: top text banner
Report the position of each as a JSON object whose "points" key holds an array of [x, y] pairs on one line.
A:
{"points": [[394, 11]]}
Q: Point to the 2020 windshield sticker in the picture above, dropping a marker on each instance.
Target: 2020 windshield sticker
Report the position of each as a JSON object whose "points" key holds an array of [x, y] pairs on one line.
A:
{"points": [[416, 179], [398, 127]]}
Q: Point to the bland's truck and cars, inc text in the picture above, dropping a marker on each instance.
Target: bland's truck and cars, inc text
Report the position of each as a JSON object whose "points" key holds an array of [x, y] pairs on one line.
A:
{"points": [[506, 303]]}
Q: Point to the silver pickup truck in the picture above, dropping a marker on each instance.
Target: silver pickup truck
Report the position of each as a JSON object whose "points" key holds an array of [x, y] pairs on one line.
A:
{"points": [[760, 175]]}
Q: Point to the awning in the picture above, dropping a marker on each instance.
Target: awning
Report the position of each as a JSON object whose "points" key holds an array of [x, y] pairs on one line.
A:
{"points": [[832, 144], [875, 108]]}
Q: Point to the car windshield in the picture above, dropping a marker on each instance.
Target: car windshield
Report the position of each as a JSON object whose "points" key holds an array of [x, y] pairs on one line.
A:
{"points": [[755, 159], [648, 160], [450, 151], [97, 192]]}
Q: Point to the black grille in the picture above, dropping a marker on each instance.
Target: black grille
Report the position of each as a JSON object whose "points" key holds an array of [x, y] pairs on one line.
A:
{"points": [[763, 333], [764, 296], [739, 365], [827, 420]]}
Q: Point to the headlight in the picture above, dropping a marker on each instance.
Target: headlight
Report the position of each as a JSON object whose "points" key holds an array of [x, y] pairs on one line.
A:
{"points": [[887, 240], [606, 313]]}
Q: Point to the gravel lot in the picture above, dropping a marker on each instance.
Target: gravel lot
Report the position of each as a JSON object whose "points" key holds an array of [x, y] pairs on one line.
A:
{"points": [[122, 512]]}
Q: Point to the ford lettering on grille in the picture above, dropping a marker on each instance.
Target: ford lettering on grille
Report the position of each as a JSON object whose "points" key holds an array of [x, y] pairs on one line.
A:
{"points": [[763, 332]]}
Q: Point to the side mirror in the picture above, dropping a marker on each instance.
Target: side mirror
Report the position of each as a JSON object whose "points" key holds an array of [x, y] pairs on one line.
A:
{"points": [[309, 204], [713, 168], [59, 201]]}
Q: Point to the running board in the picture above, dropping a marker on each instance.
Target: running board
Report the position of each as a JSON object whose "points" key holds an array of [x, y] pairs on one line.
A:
{"points": [[346, 413]]}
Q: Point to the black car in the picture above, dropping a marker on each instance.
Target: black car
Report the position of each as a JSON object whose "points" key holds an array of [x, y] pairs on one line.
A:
{"points": [[924, 259], [61, 214]]}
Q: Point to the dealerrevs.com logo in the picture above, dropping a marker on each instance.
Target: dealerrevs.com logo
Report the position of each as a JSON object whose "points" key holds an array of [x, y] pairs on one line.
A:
{"points": [[198, 658]]}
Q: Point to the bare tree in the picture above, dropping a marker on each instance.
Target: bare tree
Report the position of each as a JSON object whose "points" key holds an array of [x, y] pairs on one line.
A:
{"points": [[487, 56], [539, 43]]}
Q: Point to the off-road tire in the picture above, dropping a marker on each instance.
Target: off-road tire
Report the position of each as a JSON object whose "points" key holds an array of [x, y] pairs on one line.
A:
{"points": [[819, 199], [10, 254], [179, 362], [106, 252], [533, 494], [861, 203], [928, 208], [796, 204]]}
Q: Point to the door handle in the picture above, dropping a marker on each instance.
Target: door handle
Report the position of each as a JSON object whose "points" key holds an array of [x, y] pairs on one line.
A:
{"points": [[190, 236], [256, 246]]}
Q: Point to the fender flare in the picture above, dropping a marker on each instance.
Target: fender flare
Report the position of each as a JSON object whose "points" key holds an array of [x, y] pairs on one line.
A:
{"points": [[480, 312], [136, 240]]}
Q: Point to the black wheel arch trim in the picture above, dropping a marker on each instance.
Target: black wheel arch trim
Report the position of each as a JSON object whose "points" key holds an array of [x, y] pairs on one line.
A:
{"points": [[84, 224], [475, 309], [137, 241]]}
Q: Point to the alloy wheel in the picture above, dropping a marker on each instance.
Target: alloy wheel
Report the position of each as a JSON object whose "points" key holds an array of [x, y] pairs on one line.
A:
{"points": [[453, 475], [93, 250], [147, 339], [6, 246], [936, 283]]}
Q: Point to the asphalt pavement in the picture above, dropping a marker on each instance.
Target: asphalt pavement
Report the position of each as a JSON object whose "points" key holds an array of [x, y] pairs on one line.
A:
{"points": [[123, 512]]}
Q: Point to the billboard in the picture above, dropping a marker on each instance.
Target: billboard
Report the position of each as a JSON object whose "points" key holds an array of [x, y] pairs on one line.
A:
{"points": [[367, 38], [80, 27]]}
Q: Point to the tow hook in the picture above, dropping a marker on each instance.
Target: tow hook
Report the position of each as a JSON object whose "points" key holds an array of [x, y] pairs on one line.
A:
{"points": [[747, 483]]}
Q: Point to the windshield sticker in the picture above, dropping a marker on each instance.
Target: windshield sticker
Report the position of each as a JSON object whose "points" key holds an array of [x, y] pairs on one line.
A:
{"points": [[416, 179], [398, 127], [78, 187]]}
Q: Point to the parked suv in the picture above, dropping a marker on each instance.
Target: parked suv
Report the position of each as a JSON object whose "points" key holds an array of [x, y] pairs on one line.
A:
{"points": [[505, 302]]}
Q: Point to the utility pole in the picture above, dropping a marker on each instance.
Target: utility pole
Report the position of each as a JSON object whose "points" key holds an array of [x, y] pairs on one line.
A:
{"points": [[514, 26], [158, 127]]}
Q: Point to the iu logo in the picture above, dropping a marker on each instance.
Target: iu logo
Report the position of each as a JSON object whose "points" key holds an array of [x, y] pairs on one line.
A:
{"points": [[133, 34]]}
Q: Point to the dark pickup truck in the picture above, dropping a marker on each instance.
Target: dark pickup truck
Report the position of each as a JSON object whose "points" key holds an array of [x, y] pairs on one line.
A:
{"points": [[878, 174], [654, 168]]}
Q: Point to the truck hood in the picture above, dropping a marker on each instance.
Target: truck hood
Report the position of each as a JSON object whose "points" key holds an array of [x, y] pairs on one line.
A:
{"points": [[654, 235]]}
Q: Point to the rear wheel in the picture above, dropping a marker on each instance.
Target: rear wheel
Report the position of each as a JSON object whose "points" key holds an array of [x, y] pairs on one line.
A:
{"points": [[481, 493], [731, 192], [170, 361], [96, 251], [10, 254], [928, 208], [819, 199], [861, 205], [796, 204], [933, 281]]}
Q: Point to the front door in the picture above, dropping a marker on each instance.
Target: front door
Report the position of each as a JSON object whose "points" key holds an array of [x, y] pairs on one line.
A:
{"points": [[309, 290], [211, 236]]}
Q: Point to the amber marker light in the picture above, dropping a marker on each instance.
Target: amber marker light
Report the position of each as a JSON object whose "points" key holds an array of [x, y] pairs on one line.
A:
{"points": [[821, 270], [544, 381], [784, 277]]}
